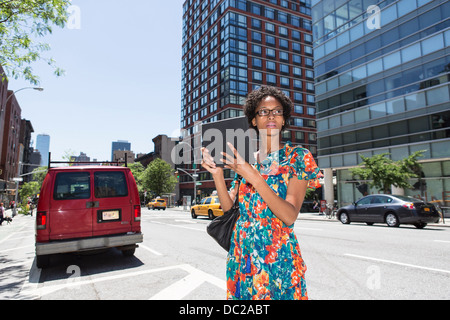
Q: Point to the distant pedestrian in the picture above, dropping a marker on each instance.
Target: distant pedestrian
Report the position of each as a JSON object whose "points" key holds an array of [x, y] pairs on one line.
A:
{"points": [[2, 213]]}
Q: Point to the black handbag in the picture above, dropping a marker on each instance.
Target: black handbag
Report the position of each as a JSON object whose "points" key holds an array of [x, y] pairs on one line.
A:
{"points": [[221, 228]]}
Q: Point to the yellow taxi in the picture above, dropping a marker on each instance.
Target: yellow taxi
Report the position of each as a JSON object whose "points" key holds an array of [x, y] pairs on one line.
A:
{"points": [[209, 206], [157, 203]]}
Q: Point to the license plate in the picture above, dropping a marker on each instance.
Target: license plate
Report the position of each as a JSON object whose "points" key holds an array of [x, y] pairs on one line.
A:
{"points": [[110, 215], [426, 209]]}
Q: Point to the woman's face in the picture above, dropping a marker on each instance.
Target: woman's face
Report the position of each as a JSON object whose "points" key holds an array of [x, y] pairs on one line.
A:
{"points": [[269, 117]]}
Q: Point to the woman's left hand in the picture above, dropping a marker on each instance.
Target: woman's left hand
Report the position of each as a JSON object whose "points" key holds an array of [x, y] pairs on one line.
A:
{"points": [[238, 164]]}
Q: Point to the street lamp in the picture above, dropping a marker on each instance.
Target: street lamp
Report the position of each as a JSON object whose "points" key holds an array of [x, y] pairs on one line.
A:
{"points": [[194, 177], [26, 88]]}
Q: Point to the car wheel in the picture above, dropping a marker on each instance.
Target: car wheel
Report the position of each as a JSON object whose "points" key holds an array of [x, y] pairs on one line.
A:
{"points": [[211, 214], [193, 215], [344, 218], [420, 225], [392, 220]]}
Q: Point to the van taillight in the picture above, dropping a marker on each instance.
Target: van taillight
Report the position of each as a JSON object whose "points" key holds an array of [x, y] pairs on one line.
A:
{"points": [[41, 220], [137, 213]]}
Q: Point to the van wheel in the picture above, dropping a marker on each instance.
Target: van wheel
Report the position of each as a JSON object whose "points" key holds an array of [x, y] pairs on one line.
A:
{"points": [[211, 214], [42, 261], [193, 215], [128, 252]]}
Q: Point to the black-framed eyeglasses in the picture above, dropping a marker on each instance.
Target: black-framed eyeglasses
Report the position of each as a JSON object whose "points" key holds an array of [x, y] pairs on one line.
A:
{"points": [[266, 112]]}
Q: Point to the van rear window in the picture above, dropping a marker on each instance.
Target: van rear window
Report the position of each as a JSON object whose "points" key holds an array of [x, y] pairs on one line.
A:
{"points": [[108, 184], [72, 186]]}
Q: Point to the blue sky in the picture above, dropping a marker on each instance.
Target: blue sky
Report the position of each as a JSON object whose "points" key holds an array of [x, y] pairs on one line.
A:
{"points": [[122, 80]]}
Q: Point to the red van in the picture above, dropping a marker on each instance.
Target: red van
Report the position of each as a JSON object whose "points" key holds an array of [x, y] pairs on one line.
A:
{"points": [[87, 208]]}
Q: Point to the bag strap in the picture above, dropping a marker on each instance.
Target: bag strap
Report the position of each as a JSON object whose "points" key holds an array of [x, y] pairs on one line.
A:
{"points": [[236, 199]]}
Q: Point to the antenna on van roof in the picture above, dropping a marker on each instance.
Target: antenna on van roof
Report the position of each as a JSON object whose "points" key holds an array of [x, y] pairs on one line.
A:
{"points": [[106, 163]]}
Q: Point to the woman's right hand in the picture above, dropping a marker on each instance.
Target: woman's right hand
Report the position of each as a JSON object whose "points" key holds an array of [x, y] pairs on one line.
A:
{"points": [[209, 164]]}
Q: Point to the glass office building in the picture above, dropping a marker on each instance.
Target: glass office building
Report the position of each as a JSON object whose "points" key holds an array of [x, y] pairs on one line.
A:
{"points": [[382, 85], [231, 47], [120, 145], [43, 146]]}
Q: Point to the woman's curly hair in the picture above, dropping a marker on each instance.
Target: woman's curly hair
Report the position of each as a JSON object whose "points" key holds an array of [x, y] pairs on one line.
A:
{"points": [[255, 97]]}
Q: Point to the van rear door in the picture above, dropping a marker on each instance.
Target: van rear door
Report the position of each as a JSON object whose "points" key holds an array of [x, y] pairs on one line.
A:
{"points": [[113, 209], [70, 212]]}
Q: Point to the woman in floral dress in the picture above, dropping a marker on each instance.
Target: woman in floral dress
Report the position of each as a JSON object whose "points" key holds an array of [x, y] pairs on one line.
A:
{"points": [[264, 261]]}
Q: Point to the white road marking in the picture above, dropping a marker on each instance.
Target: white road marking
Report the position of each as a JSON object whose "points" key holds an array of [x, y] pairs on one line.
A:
{"points": [[151, 250], [177, 226], [397, 263], [18, 248], [441, 241], [183, 287], [310, 229], [193, 281], [186, 221]]}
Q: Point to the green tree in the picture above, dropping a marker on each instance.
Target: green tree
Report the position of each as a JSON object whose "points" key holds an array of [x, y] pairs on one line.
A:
{"points": [[137, 169], [382, 172], [29, 189], [21, 22], [159, 178]]}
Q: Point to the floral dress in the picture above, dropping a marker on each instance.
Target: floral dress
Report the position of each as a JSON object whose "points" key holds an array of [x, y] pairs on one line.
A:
{"points": [[264, 261]]}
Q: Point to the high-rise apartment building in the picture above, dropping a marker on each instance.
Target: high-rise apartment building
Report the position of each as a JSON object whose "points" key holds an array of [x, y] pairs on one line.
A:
{"points": [[382, 86], [231, 47], [43, 146], [9, 160]]}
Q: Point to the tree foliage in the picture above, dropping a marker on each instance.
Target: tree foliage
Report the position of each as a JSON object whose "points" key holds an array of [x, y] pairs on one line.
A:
{"points": [[381, 172], [159, 178], [137, 169], [31, 188], [21, 22]]}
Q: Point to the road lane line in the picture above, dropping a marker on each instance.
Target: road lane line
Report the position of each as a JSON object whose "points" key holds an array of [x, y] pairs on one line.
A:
{"points": [[186, 221], [397, 263], [177, 226], [195, 275], [441, 241], [18, 248], [149, 249], [183, 287]]}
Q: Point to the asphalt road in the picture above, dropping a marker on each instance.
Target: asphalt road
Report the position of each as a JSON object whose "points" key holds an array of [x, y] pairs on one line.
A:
{"points": [[178, 260]]}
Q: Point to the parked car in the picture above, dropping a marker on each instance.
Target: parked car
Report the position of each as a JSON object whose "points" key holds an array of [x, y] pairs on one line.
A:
{"points": [[390, 209], [87, 208], [157, 203], [209, 206]]}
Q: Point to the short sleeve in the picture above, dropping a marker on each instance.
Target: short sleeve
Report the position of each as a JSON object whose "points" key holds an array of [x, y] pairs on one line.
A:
{"points": [[303, 166]]}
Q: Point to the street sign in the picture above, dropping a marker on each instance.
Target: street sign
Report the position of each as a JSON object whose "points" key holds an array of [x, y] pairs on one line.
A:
{"points": [[198, 184], [18, 179]]}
